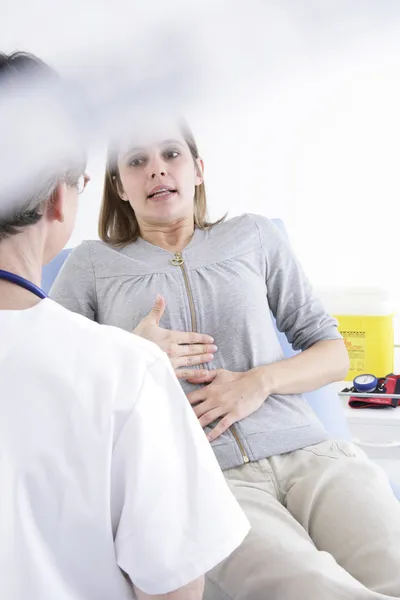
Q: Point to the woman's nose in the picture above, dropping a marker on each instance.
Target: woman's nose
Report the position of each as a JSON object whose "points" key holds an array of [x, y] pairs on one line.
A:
{"points": [[160, 173], [157, 167]]}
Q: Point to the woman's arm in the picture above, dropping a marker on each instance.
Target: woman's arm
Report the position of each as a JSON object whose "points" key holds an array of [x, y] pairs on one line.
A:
{"points": [[326, 361], [192, 591], [232, 396], [299, 313]]}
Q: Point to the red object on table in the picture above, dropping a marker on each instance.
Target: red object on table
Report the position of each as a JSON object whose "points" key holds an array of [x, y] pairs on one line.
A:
{"points": [[391, 384]]}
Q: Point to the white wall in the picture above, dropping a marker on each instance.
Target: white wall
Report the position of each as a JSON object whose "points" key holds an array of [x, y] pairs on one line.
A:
{"points": [[320, 147], [311, 135]]}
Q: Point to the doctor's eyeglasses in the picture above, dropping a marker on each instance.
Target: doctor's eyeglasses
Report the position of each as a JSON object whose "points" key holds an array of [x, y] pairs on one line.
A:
{"points": [[82, 182]]}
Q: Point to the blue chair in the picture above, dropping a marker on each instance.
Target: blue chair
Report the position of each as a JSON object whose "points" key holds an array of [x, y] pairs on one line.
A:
{"points": [[325, 402], [50, 271]]}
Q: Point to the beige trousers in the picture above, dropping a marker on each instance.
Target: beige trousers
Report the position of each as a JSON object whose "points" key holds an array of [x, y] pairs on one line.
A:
{"points": [[325, 526]]}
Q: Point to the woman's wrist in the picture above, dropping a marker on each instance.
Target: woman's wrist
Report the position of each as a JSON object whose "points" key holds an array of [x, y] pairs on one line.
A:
{"points": [[263, 378]]}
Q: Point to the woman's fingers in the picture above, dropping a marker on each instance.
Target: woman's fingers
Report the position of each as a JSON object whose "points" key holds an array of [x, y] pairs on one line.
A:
{"points": [[208, 377], [221, 427], [194, 375], [210, 417], [190, 337], [197, 396], [193, 349], [190, 361], [204, 407], [186, 351]]}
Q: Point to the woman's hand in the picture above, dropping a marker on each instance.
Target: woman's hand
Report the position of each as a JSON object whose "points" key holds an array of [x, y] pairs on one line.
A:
{"points": [[230, 397], [185, 349]]}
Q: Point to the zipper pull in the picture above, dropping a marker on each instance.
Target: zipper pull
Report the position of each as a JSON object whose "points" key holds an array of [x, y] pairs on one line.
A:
{"points": [[178, 259]]}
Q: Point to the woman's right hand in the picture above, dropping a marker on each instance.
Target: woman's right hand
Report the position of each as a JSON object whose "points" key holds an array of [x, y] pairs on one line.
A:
{"points": [[185, 349]]}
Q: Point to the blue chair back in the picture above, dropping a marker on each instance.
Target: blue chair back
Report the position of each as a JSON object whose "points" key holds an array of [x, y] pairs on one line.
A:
{"points": [[51, 270]]}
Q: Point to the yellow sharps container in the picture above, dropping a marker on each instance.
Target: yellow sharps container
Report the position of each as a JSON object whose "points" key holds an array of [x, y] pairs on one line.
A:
{"points": [[365, 317]]}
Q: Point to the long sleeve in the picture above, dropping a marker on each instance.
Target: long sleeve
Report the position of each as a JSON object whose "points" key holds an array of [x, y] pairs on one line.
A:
{"points": [[298, 313]]}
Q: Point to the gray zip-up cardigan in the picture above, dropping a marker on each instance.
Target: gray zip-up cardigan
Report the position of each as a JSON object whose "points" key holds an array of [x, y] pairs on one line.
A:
{"points": [[231, 277]]}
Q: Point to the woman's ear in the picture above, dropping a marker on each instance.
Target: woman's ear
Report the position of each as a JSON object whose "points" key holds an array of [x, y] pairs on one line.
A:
{"points": [[199, 171], [119, 189]]}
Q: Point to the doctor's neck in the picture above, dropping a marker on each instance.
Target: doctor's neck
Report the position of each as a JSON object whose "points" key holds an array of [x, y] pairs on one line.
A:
{"points": [[21, 254]]}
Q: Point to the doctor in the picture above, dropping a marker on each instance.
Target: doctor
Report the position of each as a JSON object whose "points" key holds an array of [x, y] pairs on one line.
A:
{"points": [[109, 487]]}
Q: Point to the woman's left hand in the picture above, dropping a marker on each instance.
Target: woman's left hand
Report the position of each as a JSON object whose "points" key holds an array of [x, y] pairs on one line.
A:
{"points": [[230, 396]]}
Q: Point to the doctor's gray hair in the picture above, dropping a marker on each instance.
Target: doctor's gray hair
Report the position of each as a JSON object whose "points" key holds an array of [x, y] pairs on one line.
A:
{"points": [[17, 70]]}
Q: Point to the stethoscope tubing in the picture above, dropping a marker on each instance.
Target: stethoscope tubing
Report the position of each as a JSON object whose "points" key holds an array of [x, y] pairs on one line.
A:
{"points": [[22, 282]]}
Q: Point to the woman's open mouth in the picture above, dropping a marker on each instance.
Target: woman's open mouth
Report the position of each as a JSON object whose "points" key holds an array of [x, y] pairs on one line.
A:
{"points": [[161, 192]]}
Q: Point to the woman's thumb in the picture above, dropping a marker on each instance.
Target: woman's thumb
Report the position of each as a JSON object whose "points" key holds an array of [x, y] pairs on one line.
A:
{"points": [[158, 310]]}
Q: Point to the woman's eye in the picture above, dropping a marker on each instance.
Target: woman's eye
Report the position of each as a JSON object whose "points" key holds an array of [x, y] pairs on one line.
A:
{"points": [[171, 154], [138, 161]]}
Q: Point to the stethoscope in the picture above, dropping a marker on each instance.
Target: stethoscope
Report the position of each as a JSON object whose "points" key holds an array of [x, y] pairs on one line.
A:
{"points": [[22, 282]]}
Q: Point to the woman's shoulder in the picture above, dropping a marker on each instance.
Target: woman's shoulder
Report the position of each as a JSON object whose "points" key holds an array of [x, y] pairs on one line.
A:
{"points": [[247, 224], [95, 250], [88, 246], [106, 260], [246, 233], [89, 256], [83, 249]]}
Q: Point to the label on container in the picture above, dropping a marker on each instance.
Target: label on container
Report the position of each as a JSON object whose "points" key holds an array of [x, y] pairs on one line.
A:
{"points": [[355, 344]]}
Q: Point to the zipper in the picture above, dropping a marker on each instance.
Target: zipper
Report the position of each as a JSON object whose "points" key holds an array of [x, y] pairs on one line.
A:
{"points": [[179, 261], [239, 443]]}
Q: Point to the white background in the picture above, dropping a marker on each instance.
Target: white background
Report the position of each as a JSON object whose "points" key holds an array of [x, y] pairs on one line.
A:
{"points": [[306, 129]]}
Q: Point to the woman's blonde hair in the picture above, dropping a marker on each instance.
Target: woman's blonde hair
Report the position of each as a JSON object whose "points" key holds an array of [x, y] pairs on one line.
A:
{"points": [[117, 223]]}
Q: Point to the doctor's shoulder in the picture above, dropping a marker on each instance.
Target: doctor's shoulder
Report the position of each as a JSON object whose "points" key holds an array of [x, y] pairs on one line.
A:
{"points": [[102, 349]]}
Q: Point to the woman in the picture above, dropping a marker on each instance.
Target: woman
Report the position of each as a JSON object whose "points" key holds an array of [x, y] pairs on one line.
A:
{"points": [[319, 509]]}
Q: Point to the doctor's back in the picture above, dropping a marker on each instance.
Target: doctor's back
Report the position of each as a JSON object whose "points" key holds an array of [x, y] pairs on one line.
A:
{"points": [[103, 467]]}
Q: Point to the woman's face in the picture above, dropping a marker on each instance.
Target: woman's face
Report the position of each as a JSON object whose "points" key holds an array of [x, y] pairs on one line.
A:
{"points": [[159, 179]]}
